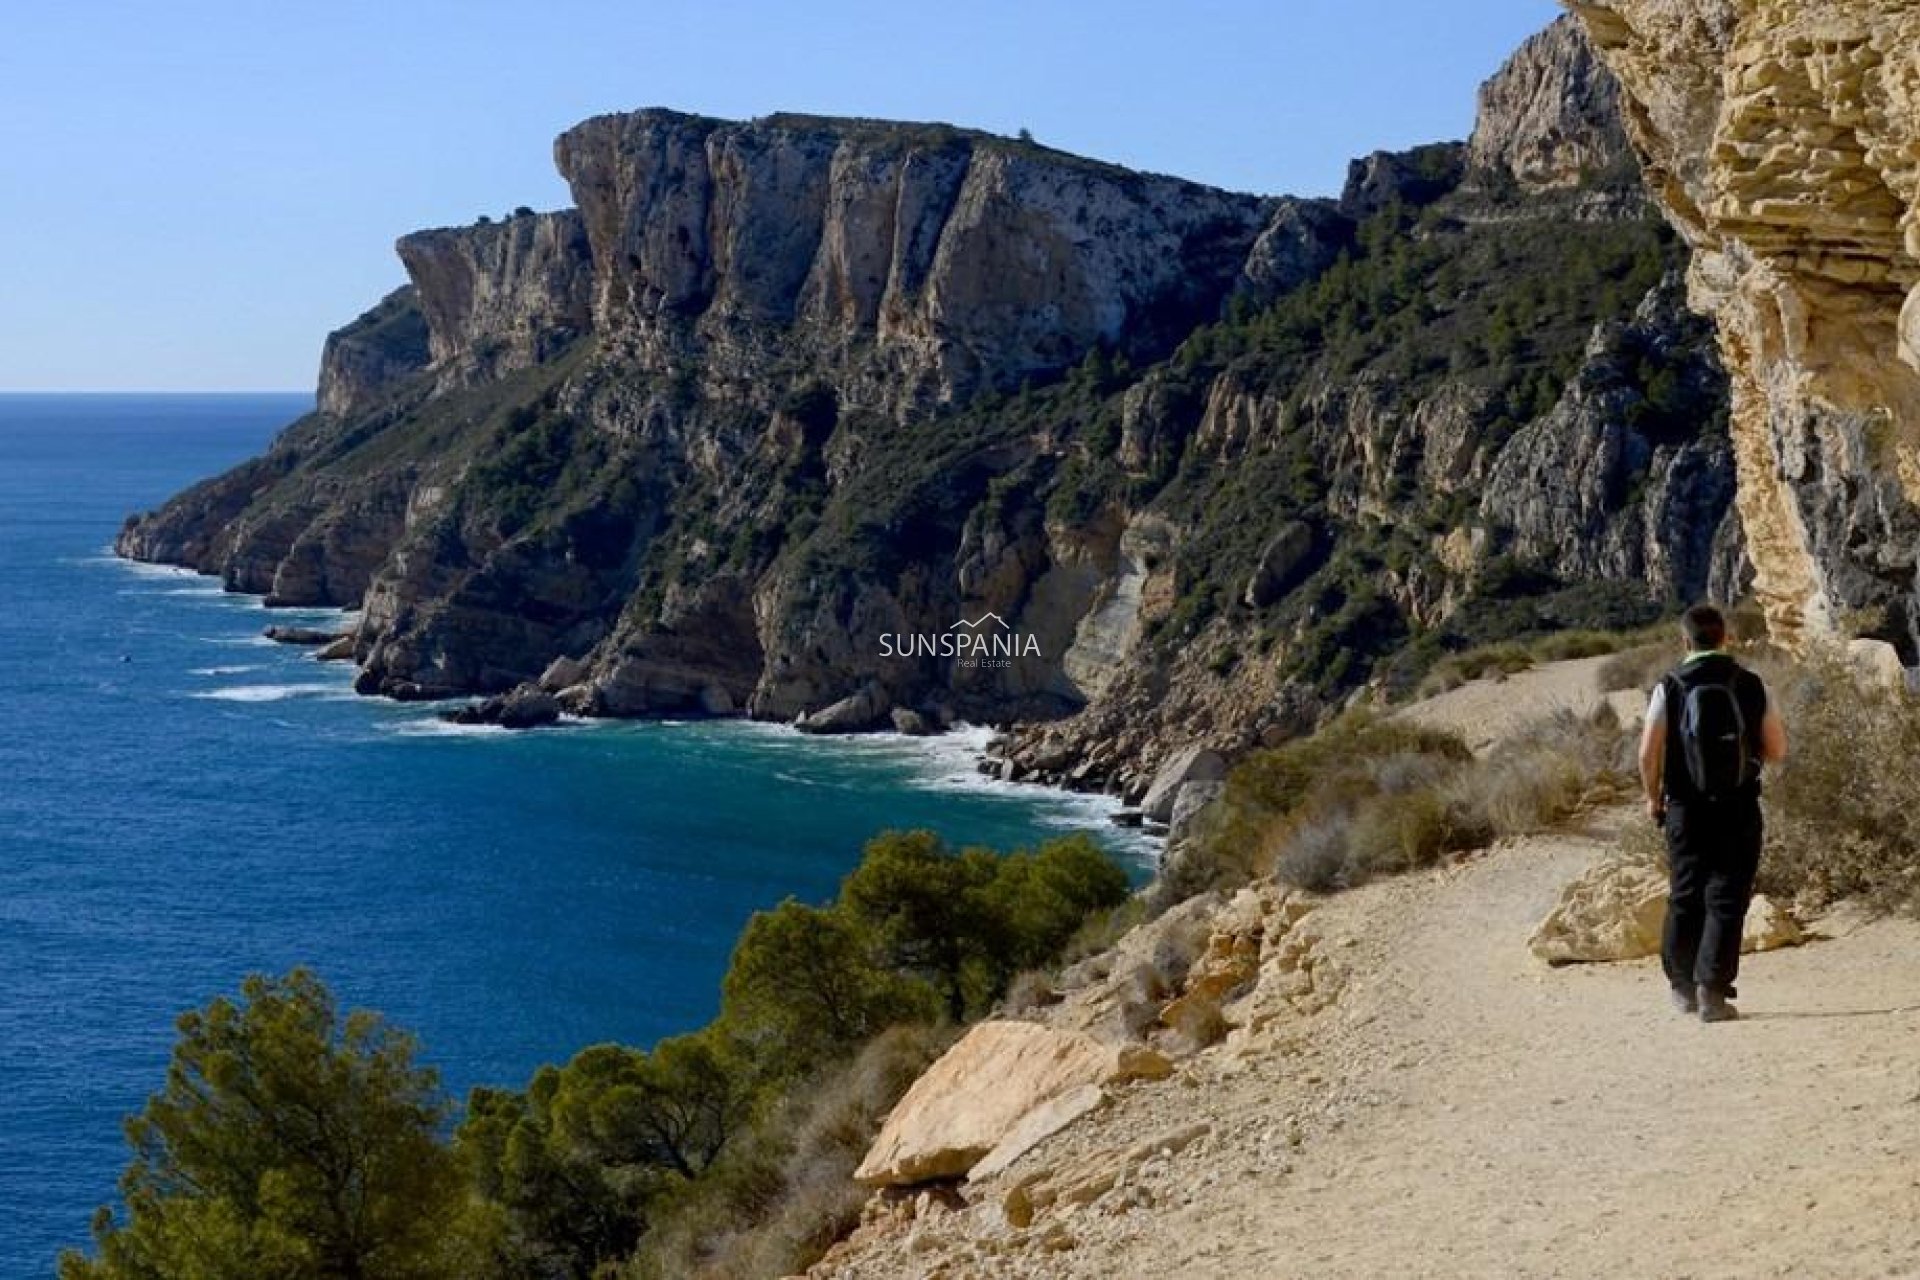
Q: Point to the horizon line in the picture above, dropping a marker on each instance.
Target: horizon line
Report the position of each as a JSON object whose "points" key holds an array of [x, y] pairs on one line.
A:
{"points": [[176, 391]]}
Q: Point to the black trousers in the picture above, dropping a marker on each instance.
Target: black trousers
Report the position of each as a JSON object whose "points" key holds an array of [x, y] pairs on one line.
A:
{"points": [[1713, 852]]}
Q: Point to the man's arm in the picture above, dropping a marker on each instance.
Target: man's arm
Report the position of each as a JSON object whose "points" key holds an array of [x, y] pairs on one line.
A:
{"points": [[1653, 756], [1773, 737]]}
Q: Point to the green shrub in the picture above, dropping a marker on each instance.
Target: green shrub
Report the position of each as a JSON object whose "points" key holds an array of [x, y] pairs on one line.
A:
{"points": [[1475, 664], [291, 1139], [784, 1192]]}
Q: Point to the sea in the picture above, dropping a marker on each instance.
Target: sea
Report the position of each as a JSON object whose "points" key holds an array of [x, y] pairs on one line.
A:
{"points": [[183, 802]]}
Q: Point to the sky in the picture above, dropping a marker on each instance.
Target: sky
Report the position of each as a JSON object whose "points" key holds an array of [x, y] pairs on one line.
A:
{"points": [[193, 194]]}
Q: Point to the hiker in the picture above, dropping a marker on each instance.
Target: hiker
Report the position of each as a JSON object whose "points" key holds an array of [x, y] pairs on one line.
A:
{"points": [[1710, 726]]}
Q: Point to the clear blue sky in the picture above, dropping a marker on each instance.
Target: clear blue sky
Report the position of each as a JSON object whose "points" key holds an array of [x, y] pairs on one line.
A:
{"points": [[192, 194]]}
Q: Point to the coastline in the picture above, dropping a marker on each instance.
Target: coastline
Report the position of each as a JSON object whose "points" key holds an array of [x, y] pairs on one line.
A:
{"points": [[953, 759]]}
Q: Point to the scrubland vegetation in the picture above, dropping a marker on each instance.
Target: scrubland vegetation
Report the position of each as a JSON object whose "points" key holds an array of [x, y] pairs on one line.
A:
{"points": [[295, 1140]]}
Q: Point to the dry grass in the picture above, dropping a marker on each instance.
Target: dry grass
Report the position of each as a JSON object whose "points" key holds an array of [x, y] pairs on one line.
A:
{"points": [[1843, 812], [1409, 809]]}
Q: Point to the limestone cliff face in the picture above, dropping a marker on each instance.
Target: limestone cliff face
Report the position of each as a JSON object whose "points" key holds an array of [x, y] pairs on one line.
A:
{"points": [[782, 393], [919, 263], [1551, 118], [363, 364], [500, 296], [1782, 138]]}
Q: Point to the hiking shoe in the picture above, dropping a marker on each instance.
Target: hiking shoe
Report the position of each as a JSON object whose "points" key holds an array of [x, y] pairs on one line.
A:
{"points": [[1683, 1000], [1714, 1006]]}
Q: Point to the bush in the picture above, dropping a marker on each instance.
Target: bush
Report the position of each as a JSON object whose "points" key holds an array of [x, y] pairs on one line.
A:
{"points": [[1402, 810], [1841, 816], [1637, 668], [778, 1198], [1315, 857], [1457, 669]]}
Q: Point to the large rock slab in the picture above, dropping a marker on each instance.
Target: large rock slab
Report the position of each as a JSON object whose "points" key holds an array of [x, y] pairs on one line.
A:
{"points": [[1617, 909], [983, 1088], [1189, 764]]}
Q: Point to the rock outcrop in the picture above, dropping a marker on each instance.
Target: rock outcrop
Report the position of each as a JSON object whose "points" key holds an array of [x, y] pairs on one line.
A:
{"points": [[1004, 1080], [363, 363], [1782, 138], [501, 296], [1551, 118], [1617, 908]]}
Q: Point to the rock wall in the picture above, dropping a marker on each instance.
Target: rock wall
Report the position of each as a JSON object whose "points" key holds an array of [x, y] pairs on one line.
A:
{"points": [[1782, 138], [919, 264], [1551, 118], [501, 296]]}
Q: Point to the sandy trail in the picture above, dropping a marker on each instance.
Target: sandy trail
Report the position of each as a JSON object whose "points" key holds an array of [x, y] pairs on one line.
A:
{"points": [[1462, 1110]]}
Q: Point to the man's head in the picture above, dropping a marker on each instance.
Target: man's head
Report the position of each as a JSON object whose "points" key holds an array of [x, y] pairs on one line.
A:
{"points": [[1704, 626]]}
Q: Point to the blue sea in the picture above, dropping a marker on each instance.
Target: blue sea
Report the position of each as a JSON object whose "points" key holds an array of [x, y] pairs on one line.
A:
{"points": [[183, 802]]}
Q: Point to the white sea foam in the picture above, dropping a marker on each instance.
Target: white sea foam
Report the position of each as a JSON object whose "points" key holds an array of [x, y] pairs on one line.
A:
{"points": [[269, 692], [240, 670], [140, 569], [950, 762], [435, 727]]}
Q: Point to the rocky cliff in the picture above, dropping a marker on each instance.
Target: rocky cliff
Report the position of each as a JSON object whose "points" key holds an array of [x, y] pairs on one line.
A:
{"points": [[1782, 138], [785, 407]]}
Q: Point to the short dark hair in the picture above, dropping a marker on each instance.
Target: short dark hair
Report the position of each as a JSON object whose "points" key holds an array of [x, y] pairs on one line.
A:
{"points": [[1705, 626]]}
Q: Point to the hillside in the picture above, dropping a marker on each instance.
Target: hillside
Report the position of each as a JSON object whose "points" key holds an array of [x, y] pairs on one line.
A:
{"points": [[780, 394], [1404, 1090]]}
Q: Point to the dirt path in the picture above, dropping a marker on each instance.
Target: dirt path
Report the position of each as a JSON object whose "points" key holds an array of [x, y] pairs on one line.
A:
{"points": [[1484, 712], [1461, 1110]]}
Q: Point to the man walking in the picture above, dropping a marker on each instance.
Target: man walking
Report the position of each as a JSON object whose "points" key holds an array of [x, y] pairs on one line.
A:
{"points": [[1710, 726]]}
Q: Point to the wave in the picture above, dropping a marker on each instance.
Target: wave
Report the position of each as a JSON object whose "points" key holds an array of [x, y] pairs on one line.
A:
{"points": [[240, 670], [434, 727], [271, 692]]}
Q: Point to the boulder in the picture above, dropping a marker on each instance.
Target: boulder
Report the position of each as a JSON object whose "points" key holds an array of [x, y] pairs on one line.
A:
{"points": [[1616, 909], [1612, 911], [1280, 564], [857, 711], [908, 721], [983, 1089], [340, 650], [303, 635], [1876, 662], [1188, 803], [1039, 1124], [1769, 926], [563, 673], [527, 707], [1193, 763]]}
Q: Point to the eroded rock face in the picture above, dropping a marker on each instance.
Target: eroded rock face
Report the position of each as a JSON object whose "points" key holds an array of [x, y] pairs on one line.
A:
{"points": [[1782, 137], [1559, 485], [1551, 118], [362, 363], [963, 262], [501, 296]]}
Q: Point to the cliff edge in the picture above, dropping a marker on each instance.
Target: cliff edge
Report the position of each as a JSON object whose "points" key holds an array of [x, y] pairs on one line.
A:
{"points": [[1782, 138]]}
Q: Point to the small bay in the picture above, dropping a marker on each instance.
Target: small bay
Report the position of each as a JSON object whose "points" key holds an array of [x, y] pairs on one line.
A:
{"points": [[183, 802]]}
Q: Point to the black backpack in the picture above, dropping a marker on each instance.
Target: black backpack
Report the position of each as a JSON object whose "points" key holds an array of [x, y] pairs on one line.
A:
{"points": [[1712, 728]]}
